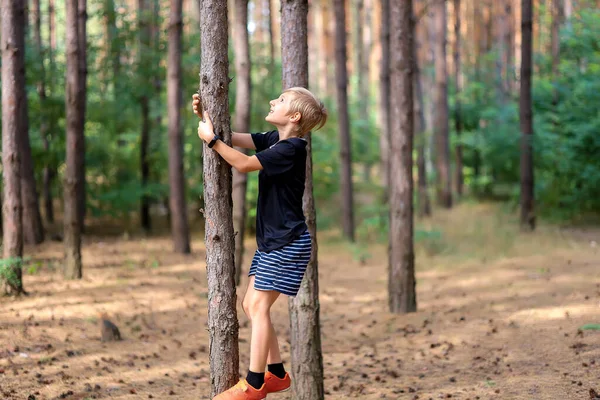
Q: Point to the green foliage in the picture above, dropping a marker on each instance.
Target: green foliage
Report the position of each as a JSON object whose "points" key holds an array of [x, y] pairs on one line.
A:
{"points": [[566, 142], [590, 327], [9, 268]]}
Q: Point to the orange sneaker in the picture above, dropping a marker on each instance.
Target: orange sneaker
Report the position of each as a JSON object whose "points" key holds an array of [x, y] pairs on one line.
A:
{"points": [[243, 391], [273, 384]]}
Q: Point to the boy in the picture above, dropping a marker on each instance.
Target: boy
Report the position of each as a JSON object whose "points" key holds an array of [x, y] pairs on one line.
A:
{"points": [[284, 243]]}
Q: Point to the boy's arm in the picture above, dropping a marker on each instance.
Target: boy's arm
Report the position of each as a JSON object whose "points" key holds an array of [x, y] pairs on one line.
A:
{"points": [[243, 140], [236, 159]]}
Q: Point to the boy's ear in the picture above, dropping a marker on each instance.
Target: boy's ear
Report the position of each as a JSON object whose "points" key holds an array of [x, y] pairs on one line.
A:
{"points": [[295, 117]]}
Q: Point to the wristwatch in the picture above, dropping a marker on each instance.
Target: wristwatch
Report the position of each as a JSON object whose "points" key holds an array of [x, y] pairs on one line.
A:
{"points": [[213, 141]]}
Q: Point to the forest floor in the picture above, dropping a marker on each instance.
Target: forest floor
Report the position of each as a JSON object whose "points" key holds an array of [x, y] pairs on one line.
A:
{"points": [[499, 317]]}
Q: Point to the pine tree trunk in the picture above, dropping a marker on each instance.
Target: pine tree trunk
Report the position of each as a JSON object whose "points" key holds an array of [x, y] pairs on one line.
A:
{"points": [[357, 24], [457, 108], [441, 132], [13, 98], [33, 230], [82, 28], [344, 121], [323, 23], [526, 119], [305, 326], [50, 170], [424, 204], [41, 89], [384, 94], [509, 49], [401, 279], [220, 242], [269, 11], [177, 203], [75, 157], [242, 121], [557, 21], [145, 33]]}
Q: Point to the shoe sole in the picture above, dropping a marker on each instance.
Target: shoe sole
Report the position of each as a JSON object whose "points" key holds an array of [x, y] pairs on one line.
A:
{"points": [[281, 391]]}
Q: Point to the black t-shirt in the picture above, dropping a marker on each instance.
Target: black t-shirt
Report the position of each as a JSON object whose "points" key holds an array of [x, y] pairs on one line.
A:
{"points": [[279, 215]]}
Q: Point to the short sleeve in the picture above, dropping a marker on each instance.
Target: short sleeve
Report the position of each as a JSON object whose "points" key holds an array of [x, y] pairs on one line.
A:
{"points": [[277, 159], [264, 140]]}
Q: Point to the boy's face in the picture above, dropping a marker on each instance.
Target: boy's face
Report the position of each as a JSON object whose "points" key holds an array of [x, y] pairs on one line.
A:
{"points": [[279, 113]]}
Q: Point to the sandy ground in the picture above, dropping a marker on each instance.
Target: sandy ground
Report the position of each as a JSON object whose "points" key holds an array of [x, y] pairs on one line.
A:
{"points": [[499, 318]]}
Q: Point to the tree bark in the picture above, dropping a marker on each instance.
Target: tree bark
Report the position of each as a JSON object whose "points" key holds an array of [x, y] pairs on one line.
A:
{"points": [[384, 94], [12, 14], [357, 42], [457, 109], [220, 242], [401, 279], [344, 122], [145, 34], [41, 89], [509, 49], [304, 309], [557, 21], [269, 10], [424, 204], [82, 37], [75, 157], [442, 153], [50, 171], [33, 230], [526, 120], [242, 121], [177, 203]]}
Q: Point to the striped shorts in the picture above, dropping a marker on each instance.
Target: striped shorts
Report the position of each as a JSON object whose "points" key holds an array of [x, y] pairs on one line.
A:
{"points": [[282, 270]]}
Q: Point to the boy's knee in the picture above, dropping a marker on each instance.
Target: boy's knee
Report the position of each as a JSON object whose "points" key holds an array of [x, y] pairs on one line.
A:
{"points": [[256, 306]]}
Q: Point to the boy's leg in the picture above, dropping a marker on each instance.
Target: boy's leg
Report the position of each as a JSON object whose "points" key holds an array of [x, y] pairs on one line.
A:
{"points": [[274, 356], [262, 329]]}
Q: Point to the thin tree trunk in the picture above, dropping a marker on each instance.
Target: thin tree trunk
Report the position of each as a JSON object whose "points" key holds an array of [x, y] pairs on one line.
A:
{"points": [[526, 119], [242, 122], [357, 24], [384, 94], [220, 243], [509, 49], [81, 26], [269, 10], [441, 132], [33, 230], [177, 203], [557, 21], [344, 121], [568, 9], [324, 24], [401, 279], [145, 34], [13, 98], [304, 309], [50, 170], [41, 89], [75, 157], [457, 109], [424, 204]]}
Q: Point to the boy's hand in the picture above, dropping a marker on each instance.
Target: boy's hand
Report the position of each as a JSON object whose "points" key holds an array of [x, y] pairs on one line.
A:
{"points": [[205, 128], [196, 105]]}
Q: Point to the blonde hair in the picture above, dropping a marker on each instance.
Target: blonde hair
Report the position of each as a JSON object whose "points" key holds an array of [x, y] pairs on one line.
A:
{"points": [[312, 110]]}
